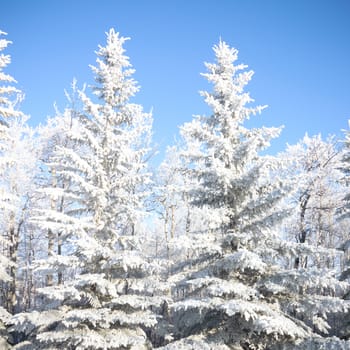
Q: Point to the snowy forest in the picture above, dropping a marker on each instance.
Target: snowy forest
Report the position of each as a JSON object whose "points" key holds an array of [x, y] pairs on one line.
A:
{"points": [[221, 246]]}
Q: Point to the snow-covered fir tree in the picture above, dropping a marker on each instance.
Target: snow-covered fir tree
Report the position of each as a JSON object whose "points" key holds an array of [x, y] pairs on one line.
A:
{"points": [[9, 94], [234, 293], [224, 154], [107, 303]]}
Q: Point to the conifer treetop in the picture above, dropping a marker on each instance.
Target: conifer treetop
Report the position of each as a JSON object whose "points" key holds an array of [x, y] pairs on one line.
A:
{"points": [[228, 100], [113, 72], [7, 91]]}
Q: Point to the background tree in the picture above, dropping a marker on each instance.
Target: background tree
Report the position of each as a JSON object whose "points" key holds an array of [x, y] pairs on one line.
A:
{"points": [[344, 167], [344, 215], [312, 167], [18, 160], [54, 135], [178, 219]]}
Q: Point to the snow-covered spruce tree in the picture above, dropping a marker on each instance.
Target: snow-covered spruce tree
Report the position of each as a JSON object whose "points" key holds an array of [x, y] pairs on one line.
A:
{"points": [[224, 154], [9, 94], [234, 293], [107, 303]]}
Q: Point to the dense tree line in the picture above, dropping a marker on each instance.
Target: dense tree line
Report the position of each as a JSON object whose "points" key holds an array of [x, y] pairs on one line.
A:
{"points": [[223, 246]]}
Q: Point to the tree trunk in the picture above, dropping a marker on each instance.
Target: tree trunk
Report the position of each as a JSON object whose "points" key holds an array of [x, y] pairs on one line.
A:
{"points": [[50, 248], [50, 234], [59, 252], [301, 237], [11, 298]]}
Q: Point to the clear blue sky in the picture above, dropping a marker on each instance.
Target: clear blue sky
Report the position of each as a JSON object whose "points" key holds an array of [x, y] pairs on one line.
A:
{"points": [[299, 50]]}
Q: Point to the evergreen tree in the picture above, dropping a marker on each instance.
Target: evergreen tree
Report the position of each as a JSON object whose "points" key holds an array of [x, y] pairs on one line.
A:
{"points": [[226, 157], [106, 305], [9, 94], [235, 293]]}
